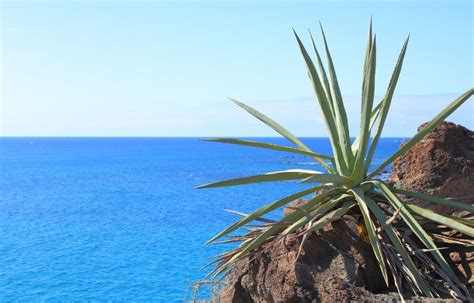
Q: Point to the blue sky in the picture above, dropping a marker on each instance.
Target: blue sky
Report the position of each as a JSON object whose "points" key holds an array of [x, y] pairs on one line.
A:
{"points": [[153, 68]]}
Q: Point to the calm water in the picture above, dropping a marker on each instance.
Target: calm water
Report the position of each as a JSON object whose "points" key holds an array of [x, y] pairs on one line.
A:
{"points": [[117, 218]]}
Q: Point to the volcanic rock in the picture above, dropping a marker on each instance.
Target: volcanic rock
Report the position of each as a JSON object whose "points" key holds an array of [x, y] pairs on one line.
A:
{"points": [[334, 265], [442, 165]]}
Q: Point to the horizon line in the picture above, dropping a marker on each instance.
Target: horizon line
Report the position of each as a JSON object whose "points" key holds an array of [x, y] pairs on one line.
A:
{"points": [[170, 137]]}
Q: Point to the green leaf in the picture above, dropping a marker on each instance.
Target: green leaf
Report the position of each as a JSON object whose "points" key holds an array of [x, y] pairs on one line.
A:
{"points": [[435, 200], [291, 174], [415, 227], [430, 215], [306, 216], [428, 127], [264, 236], [386, 105], [339, 109], [324, 76], [368, 50], [468, 222], [331, 216], [367, 103], [369, 225], [278, 128], [328, 178], [269, 146], [373, 118], [400, 248], [264, 210], [355, 145], [325, 109], [275, 126], [270, 231]]}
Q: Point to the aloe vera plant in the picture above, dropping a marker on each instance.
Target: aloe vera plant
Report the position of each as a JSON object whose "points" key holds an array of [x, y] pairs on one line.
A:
{"points": [[397, 231]]}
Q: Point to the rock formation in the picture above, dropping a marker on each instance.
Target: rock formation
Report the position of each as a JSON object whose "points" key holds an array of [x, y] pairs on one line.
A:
{"points": [[334, 264], [442, 164]]}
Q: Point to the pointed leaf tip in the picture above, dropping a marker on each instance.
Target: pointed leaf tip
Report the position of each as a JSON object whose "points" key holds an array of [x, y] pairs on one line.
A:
{"points": [[322, 30], [234, 100]]}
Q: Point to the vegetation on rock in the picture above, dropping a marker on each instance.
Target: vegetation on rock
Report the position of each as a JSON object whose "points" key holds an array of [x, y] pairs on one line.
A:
{"points": [[407, 256]]}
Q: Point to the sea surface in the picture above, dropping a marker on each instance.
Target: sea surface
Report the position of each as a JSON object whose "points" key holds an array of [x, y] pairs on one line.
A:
{"points": [[118, 219]]}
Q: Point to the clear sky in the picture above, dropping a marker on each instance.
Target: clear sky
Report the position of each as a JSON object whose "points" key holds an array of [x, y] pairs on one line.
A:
{"points": [[155, 68]]}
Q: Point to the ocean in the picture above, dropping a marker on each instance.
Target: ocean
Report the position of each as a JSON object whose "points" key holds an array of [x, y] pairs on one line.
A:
{"points": [[118, 219]]}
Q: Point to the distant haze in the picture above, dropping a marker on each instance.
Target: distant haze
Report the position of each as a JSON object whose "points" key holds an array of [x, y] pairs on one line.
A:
{"points": [[152, 68]]}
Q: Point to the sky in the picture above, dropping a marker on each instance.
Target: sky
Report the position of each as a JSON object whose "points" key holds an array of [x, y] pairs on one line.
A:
{"points": [[166, 68]]}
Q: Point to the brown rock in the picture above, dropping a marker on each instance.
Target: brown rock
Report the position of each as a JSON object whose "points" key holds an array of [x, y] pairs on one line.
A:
{"points": [[334, 265], [442, 164]]}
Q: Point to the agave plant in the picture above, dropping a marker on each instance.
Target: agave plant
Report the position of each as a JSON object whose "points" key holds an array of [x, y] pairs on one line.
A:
{"points": [[396, 229]]}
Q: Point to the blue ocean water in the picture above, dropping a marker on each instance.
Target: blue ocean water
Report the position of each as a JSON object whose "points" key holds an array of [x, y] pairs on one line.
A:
{"points": [[117, 219]]}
